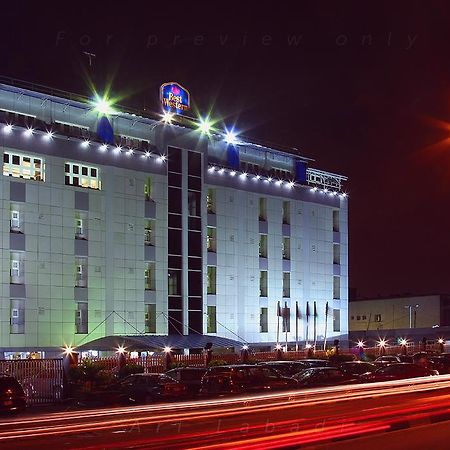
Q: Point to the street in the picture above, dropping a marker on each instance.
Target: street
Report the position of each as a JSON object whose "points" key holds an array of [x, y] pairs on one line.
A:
{"points": [[319, 418]]}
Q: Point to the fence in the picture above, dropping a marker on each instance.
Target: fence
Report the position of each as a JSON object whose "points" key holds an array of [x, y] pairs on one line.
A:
{"points": [[42, 379]]}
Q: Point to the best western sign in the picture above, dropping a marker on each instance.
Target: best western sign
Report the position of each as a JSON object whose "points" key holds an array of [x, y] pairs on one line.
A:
{"points": [[174, 97]]}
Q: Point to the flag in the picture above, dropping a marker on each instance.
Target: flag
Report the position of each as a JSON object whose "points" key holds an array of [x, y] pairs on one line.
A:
{"points": [[326, 310], [279, 314], [307, 310], [315, 310], [297, 311]]}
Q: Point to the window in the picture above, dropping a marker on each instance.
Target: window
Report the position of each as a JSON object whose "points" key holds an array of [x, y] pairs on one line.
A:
{"points": [[149, 235], [174, 282], [211, 239], [378, 318], [262, 209], [81, 318], [364, 317], [352, 318], [211, 280], [336, 288], [336, 220], [286, 284], [82, 176], [150, 318], [81, 273], [17, 316], [337, 320], [336, 254], [194, 203], [23, 166], [286, 312], [81, 226], [17, 272], [211, 201], [15, 220], [286, 212], [211, 326], [263, 283], [15, 268], [286, 248], [263, 245], [149, 274], [148, 189], [358, 317], [263, 320]]}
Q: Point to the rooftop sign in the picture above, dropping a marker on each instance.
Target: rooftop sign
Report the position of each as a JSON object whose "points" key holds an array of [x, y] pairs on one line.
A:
{"points": [[174, 97]]}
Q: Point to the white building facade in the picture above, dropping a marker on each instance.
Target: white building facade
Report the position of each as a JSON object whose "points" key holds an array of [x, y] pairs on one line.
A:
{"points": [[125, 225]]}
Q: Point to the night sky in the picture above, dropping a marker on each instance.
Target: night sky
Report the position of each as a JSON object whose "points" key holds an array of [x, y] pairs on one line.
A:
{"points": [[362, 90]]}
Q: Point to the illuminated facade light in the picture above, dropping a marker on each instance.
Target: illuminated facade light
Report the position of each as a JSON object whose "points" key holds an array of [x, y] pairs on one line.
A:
{"points": [[231, 137], [121, 349], [243, 175], [103, 148], [440, 341], [403, 341], [103, 106], [167, 349], [360, 344], [278, 347], [28, 132], [221, 170], [257, 177], [308, 346], [279, 182], [382, 343], [48, 136], [167, 117], [147, 154], [130, 152], [85, 144], [211, 169], [233, 173], [161, 158], [204, 125], [290, 185], [117, 149], [7, 128], [68, 350], [245, 347]]}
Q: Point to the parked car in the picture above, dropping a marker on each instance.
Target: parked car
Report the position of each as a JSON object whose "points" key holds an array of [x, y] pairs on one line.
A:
{"points": [[439, 363], [243, 378], [386, 359], [191, 377], [357, 367], [397, 371], [286, 368], [315, 362], [406, 358], [12, 395], [149, 387], [324, 376]]}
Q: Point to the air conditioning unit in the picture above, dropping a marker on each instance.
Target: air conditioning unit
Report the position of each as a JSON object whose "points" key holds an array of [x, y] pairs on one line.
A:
{"points": [[15, 313]]}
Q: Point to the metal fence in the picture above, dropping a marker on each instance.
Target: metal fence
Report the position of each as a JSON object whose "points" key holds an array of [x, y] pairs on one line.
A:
{"points": [[42, 379]]}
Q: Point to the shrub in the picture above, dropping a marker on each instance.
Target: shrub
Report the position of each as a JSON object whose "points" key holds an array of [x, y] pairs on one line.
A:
{"points": [[217, 362], [130, 369]]}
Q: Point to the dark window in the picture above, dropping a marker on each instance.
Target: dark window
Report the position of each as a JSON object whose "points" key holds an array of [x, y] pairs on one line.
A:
{"points": [[195, 243], [174, 281], [174, 242], [194, 223], [75, 169], [175, 322], [194, 163], [195, 322], [67, 168], [174, 160], [195, 286], [174, 221], [174, 200], [175, 262], [15, 160], [195, 183], [195, 263], [6, 158], [67, 179], [174, 179], [84, 171], [175, 303], [75, 181], [93, 172], [195, 303], [194, 203]]}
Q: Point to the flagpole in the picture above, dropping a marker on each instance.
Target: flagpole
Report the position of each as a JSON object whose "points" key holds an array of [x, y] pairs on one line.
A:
{"points": [[278, 322], [296, 326], [307, 322], [326, 323], [286, 318], [315, 326]]}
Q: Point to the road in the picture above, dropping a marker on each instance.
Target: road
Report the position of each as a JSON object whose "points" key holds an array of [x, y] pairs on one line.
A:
{"points": [[401, 414]]}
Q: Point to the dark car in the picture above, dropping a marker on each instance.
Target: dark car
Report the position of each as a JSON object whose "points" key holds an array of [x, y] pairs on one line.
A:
{"points": [[397, 371], [386, 359], [191, 377], [324, 376], [286, 368], [315, 362], [149, 387], [243, 378], [357, 367], [12, 395], [439, 363]]}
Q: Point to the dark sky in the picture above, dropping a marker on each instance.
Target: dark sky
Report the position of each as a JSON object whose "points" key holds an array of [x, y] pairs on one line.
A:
{"points": [[364, 90]]}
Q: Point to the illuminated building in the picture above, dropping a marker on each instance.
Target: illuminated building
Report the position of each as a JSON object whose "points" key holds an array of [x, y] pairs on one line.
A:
{"points": [[118, 224]]}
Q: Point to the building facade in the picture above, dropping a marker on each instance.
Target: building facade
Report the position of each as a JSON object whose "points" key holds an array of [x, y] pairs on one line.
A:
{"points": [[127, 225]]}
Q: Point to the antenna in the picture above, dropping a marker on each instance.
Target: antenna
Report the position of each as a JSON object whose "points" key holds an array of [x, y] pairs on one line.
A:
{"points": [[91, 56]]}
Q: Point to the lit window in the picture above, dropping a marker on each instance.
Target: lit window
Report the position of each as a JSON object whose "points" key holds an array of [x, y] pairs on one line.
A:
{"points": [[263, 320], [286, 284], [150, 318], [286, 248], [148, 189], [82, 176], [23, 166], [263, 245], [211, 280], [262, 209], [150, 276], [263, 283], [15, 220], [211, 239], [81, 273], [336, 287], [15, 268], [211, 326], [211, 201], [149, 236], [378, 318], [81, 318], [286, 213]]}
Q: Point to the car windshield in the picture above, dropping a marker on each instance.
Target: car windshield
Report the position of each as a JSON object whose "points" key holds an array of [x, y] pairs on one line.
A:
{"points": [[304, 375]]}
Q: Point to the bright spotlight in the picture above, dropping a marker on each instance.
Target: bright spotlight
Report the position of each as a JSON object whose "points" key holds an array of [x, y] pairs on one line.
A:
{"points": [[204, 125], [382, 343], [7, 128], [86, 143], [48, 136], [147, 154], [279, 182], [278, 347], [233, 173], [403, 341], [130, 152], [243, 175], [167, 349], [221, 170], [68, 350], [361, 344], [290, 185], [28, 132], [167, 117], [211, 169], [121, 349], [245, 347], [103, 106], [103, 147], [230, 137], [117, 149]]}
